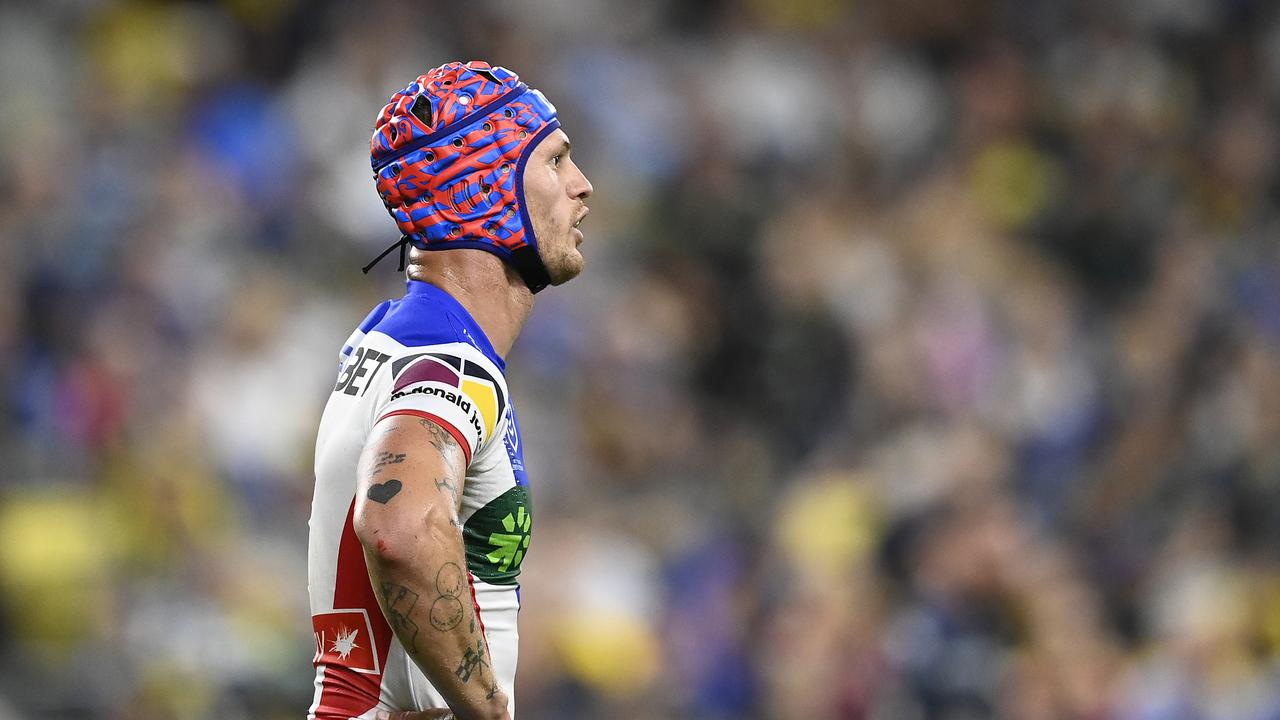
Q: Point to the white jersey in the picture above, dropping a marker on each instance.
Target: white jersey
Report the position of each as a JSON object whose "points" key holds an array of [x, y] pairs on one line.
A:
{"points": [[420, 355]]}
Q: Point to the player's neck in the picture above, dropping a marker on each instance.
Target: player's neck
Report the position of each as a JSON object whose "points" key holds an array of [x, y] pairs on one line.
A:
{"points": [[491, 290]]}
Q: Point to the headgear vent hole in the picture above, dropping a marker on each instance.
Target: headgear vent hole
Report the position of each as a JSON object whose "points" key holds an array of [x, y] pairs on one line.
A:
{"points": [[422, 110]]}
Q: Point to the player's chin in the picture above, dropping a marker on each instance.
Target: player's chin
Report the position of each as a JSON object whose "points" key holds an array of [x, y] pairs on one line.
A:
{"points": [[566, 267]]}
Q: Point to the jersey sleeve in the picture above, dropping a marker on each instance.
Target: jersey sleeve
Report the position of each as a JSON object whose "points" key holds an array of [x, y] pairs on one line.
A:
{"points": [[461, 394]]}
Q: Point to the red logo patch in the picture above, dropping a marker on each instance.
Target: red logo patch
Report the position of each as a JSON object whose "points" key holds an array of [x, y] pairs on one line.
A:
{"points": [[345, 638]]}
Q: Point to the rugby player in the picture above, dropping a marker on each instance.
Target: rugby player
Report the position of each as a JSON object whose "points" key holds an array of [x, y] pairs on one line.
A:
{"points": [[421, 513]]}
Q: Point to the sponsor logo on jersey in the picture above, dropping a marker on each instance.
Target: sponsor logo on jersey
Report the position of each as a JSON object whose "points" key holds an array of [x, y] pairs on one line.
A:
{"points": [[453, 397], [359, 370], [345, 638], [497, 536], [463, 383]]}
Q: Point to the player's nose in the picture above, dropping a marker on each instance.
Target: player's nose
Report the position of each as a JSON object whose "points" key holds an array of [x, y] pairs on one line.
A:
{"points": [[580, 188]]}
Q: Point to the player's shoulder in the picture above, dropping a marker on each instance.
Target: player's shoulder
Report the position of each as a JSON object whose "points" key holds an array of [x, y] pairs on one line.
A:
{"points": [[454, 384], [451, 363]]}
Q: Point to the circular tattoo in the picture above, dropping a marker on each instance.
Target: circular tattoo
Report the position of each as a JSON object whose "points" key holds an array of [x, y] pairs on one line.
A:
{"points": [[449, 580], [446, 613]]}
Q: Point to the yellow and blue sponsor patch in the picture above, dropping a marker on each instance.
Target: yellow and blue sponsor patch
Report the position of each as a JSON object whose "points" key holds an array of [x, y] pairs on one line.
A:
{"points": [[470, 379]]}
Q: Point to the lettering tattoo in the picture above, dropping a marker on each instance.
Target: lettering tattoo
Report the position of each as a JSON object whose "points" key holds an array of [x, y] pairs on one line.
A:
{"points": [[472, 662], [385, 458], [493, 691], [447, 610], [400, 601]]}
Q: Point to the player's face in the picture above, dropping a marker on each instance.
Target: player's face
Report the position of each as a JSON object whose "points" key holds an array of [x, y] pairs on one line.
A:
{"points": [[556, 192]]}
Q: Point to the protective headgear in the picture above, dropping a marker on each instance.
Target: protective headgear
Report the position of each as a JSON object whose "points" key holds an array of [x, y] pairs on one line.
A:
{"points": [[448, 155]]}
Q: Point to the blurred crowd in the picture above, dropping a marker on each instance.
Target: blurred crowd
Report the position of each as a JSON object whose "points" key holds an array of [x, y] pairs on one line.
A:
{"points": [[926, 365]]}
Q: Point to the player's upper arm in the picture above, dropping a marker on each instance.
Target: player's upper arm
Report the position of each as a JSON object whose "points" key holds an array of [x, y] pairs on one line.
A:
{"points": [[408, 485]]}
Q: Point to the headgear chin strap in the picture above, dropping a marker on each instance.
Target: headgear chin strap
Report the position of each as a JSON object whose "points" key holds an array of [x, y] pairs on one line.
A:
{"points": [[448, 155]]}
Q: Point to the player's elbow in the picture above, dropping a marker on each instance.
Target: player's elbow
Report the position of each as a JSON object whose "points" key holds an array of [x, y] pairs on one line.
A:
{"points": [[377, 536], [402, 537]]}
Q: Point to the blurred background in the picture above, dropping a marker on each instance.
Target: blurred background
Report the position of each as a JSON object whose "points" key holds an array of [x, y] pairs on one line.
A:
{"points": [[926, 365]]}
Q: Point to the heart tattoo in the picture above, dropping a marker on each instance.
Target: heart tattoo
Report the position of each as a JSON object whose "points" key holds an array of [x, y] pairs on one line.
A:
{"points": [[383, 492]]}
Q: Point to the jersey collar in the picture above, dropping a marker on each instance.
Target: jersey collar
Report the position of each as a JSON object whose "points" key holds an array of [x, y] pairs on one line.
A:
{"points": [[469, 325]]}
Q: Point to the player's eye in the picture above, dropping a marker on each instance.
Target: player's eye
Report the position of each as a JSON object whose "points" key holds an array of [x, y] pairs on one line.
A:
{"points": [[556, 160]]}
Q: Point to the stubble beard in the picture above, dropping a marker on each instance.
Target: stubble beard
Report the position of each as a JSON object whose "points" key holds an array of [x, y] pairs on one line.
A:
{"points": [[563, 264], [561, 257]]}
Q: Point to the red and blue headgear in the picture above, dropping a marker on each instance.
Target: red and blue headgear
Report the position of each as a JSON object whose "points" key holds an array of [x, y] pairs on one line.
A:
{"points": [[448, 155]]}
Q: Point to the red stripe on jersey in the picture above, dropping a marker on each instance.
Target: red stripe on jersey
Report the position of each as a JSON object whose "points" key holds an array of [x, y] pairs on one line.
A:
{"points": [[457, 434], [471, 583], [348, 693]]}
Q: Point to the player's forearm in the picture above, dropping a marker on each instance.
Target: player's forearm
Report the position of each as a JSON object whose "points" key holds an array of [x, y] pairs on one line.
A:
{"points": [[411, 478], [426, 597]]}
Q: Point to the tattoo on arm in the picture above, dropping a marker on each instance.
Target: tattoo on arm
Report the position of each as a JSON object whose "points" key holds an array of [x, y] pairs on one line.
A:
{"points": [[449, 579], [400, 602], [446, 484], [383, 492], [444, 443], [472, 662], [384, 459], [447, 611]]}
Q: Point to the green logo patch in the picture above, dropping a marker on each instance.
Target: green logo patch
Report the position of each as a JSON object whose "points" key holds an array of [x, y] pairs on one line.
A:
{"points": [[497, 537], [510, 547]]}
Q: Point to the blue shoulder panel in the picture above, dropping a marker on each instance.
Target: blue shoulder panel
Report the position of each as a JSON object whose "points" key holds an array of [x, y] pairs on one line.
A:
{"points": [[427, 315], [375, 316]]}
